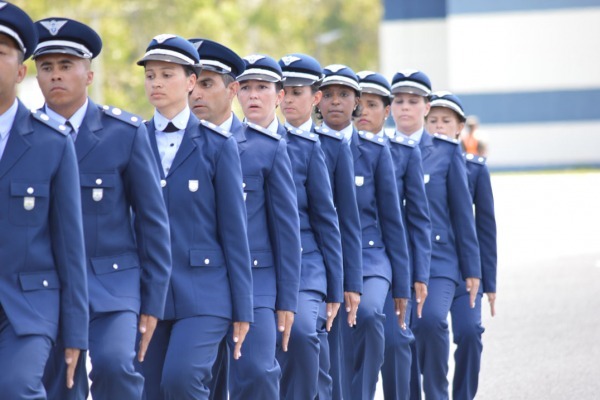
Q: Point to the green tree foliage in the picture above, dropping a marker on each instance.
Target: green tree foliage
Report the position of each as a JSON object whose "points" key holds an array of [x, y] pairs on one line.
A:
{"points": [[334, 31]]}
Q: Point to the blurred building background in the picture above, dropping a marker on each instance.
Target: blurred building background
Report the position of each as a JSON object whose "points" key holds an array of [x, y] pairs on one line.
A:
{"points": [[529, 69]]}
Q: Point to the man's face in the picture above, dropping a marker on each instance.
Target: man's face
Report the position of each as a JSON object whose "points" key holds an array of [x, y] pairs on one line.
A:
{"points": [[12, 70], [64, 79], [211, 98]]}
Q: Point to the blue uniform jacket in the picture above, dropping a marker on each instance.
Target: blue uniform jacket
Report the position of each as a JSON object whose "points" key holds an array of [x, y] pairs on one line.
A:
{"points": [[43, 275], [338, 158], [480, 186], [454, 243], [385, 252], [205, 203], [415, 210], [322, 268], [273, 224], [120, 190]]}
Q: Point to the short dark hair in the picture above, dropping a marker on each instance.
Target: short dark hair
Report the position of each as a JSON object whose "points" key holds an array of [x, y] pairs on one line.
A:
{"points": [[315, 87], [20, 56], [278, 86]]}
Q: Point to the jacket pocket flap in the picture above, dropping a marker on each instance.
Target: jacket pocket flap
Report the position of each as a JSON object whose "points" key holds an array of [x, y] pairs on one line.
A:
{"points": [[105, 265], [371, 240], [208, 258], [29, 189], [262, 259], [39, 280], [97, 180], [252, 183]]}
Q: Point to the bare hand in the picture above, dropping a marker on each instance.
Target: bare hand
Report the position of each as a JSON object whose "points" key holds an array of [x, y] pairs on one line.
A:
{"points": [[240, 330], [332, 310], [146, 327], [420, 295], [351, 300], [285, 320], [492, 300], [71, 358], [400, 305], [472, 287]]}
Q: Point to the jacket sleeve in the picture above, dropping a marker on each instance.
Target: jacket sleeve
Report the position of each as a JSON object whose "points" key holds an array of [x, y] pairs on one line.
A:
{"points": [[324, 220], [69, 250], [394, 234], [349, 220], [284, 226], [142, 182], [232, 229], [461, 215], [418, 223], [485, 223]]}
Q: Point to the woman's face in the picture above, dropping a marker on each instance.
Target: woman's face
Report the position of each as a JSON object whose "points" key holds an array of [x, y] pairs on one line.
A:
{"points": [[298, 103], [409, 111], [167, 86], [259, 99], [373, 113], [337, 105], [444, 121]]}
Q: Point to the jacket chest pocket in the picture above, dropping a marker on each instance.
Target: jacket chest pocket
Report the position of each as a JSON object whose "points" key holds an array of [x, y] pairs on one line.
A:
{"points": [[98, 193], [252, 186], [29, 203]]}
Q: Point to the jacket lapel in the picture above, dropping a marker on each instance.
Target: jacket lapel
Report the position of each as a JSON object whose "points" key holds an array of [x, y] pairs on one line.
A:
{"points": [[237, 129], [151, 128], [355, 146], [17, 143], [187, 146], [86, 137], [426, 145]]}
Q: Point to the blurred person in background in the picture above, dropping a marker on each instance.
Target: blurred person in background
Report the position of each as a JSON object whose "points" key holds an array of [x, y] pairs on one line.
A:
{"points": [[470, 140], [447, 118]]}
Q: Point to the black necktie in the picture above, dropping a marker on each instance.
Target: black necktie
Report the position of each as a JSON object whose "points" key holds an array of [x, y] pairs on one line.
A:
{"points": [[170, 128]]}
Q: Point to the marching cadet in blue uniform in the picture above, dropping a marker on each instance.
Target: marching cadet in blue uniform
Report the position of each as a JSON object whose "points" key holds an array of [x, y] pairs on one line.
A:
{"points": [[43, 291], [211, 280], [215, 89], [448, 118], [303, 76], [374, 104], [455, 251], [274, 234], [385, 255], [321, 287], [128, 272]]}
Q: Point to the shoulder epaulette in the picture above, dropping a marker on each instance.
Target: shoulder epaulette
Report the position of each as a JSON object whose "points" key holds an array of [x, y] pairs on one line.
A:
{"points": [[475, 159], [215, 128], [121, 115], [46, 120], [328, 132], [372, 137], [445, 138], [404, 141], [304, 134], [264, 131]]}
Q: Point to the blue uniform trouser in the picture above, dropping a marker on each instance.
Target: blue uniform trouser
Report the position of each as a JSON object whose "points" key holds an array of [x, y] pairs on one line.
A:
{"points": [[365, 342], [396, 368], [256, 374], [300, 364], [467, 331], [180, 357], [112, 338], [22, 360], [433, 338], [220, 372], [325, 382]]}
